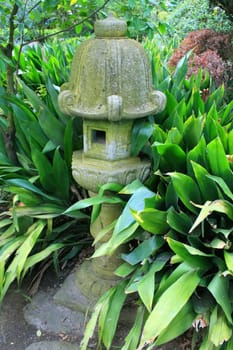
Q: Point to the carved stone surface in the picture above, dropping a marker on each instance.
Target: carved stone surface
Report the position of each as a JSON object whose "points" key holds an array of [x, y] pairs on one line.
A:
{"points": [[110, 86], [107, 140], [91, 284], [110, 77], [91, 173]]}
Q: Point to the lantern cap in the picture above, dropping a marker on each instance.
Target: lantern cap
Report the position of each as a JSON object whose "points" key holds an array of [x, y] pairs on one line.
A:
{"points": [[110, 27]]}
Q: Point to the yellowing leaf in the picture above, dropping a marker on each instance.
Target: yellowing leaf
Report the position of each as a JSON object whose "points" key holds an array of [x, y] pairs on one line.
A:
{"points": [[169, 305], [228, 256]]}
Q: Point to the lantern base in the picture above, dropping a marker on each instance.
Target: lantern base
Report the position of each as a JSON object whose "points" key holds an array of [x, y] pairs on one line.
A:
{"points": [[82, 288], [91, 173]]}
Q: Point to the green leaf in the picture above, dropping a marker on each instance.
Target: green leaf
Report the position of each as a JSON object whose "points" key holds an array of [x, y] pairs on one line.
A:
{"points": [[216, 97], [220, 206], [219, 288], [179, 221], [162, 27], [181, 70], [171, 102], [174, 136], [53, 94], [8, 233], [29, 186], [146, 287], [132, 338], [170, 278], [33, 233], [124, 270], [5, 222], [16, 266], [219, 329], [218, 162], [91, 325], [45, 170], [8, 249], [228, 257], [115, 305], [207, 187], [190, 255], [227, 115], [186, 189], [87, 202], [198, 153], [61, 176], [35, 100], [222, 185], [103, 314], [152, 220], [112, 186], [181, 323], [115, 241], [143, 281], [42, 255], [172, 156], [229, 344], [142, 131], [166, 309], [45, 211], [143, 250], [132, 187], [52, 127], [198, 103], [136, 202]]}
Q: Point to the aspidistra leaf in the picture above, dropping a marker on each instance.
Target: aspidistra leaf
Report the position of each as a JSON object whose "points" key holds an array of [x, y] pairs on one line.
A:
{"points": [[186, 189], [169, 305]]}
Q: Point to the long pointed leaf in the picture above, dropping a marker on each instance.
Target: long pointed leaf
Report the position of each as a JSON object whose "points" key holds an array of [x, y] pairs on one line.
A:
{"points": [[186, 189], [169, 305], [219, 288]]}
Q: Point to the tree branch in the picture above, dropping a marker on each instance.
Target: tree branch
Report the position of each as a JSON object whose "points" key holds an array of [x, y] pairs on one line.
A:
{"points": [[41, 38]]}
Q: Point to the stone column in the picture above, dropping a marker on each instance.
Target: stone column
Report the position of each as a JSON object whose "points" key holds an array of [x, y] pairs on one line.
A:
{"points": [[110, 86]]}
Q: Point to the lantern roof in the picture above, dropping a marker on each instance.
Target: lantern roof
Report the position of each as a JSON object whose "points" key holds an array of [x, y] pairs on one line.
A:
{"points": [[110, 77]]}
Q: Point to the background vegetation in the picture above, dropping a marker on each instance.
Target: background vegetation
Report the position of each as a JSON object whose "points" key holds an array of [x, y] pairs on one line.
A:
{"points": [[180, 268]]}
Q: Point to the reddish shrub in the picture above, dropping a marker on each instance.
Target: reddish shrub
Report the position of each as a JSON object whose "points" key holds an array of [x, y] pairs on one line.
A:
{"points": [[211, 50], [211, 61]]}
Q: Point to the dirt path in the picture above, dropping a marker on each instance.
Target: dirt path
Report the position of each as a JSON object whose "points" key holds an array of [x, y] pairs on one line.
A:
{"points": [[17, 334]]}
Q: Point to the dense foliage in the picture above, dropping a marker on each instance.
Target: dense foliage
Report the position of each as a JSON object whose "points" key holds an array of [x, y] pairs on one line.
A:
{"points": [[201, 16], [212, 51], [178, 224], [180, 270]]}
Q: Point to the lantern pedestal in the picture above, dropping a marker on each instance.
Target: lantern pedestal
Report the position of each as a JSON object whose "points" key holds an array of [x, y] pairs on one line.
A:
{"points": [[91, 173], [94, 277], [110, 86]]}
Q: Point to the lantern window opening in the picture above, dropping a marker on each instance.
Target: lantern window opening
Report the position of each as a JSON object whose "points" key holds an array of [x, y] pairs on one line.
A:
{"points": [[99, 136]]}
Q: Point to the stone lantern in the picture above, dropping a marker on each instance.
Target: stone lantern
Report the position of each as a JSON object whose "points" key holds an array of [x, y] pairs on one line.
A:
{"points": [[110, 86]]}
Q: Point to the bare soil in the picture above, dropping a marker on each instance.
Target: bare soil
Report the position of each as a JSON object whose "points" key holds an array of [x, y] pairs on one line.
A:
{"points": [[17, 334]]}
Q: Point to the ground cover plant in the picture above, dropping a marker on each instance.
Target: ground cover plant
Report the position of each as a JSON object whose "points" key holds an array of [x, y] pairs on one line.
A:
{"points": [[178, 224], [200, 14], [38, 188], [36, 139]]}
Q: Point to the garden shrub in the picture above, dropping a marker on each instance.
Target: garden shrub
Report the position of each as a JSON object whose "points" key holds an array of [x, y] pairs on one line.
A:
{"points": [[212, 51], [191, 15], [179, 223], [40, 186]]}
